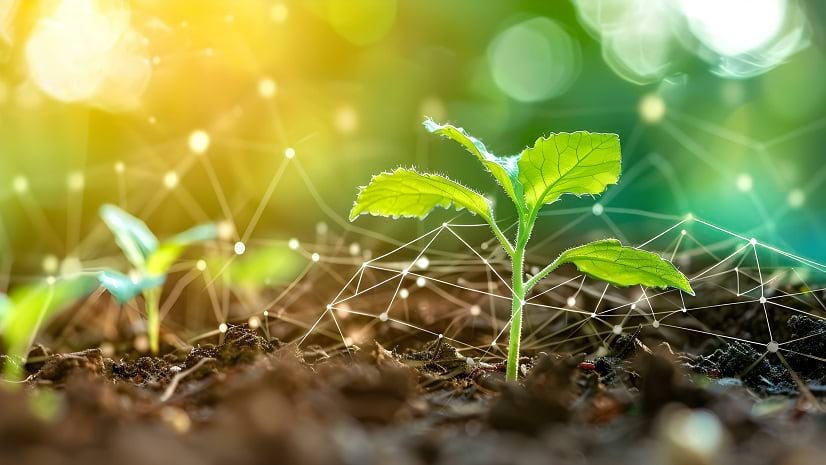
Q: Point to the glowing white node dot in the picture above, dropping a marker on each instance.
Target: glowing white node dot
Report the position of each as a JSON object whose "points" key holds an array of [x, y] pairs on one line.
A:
{"points": [[225, 230], [279, 12], [346, 119], [493, 343], [267, 88], [593, 314], [50, 264], [289, 152], [315, 257], [384, 316], [201, 265], [266, 313], [421, 282], [617, 329], [355, 249], [773, 347], [689, 217], [404, 293], [597, 209], [120, 167], [441, 336], [51, 280], [571, 301], [655, 324], [744, 182], [254, 322], [71, 266], [20, 184], [170, 180], [423, 263], [222, 328], [239, 248], [405, 271], [293, 244], [796, 198], [763, 300], [329, 306], [75, 181], [633, 306], [652, 108], [475, 310], [683, 232], [753, 241], [199, 142], [684, 310]]}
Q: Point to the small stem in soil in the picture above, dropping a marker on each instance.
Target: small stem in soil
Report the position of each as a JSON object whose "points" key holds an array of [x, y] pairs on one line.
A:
{"points": [[153, 323]]}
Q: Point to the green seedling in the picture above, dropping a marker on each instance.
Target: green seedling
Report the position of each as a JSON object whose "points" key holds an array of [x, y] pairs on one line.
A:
{"points": [[579, 163], [24, 311], [151, 260]]}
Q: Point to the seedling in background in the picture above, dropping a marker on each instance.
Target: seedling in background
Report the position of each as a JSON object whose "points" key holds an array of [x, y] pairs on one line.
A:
{"points": [[579, 163], [28, 308], [151, 260]]}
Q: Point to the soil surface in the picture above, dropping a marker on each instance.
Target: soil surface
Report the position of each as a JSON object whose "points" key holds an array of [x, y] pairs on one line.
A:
{"points": [[250, 400]]}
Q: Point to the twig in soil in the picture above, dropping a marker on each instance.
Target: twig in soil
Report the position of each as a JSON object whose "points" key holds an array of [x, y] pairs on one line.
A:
{"points": [[170, 390]]}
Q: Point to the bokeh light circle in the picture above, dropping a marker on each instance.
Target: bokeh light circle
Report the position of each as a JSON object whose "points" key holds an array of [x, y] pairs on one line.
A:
{"points": [[534, 60]]}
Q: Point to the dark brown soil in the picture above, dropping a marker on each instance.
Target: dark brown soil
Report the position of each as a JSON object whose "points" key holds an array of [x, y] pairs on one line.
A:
{"points": [[249, 400]]}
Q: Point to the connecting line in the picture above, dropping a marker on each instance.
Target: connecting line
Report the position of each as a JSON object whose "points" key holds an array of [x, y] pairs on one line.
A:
{"points": [[555, 287], [484, 260], [265, 200]]}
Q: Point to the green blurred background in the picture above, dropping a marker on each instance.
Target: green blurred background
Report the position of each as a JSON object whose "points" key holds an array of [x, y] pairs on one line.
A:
{"points": [[720, 106]]}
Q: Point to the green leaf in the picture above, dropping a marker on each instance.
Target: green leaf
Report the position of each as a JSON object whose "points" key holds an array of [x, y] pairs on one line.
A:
{"points": [[408, 193], [504, 169], [123, 288], [576, 163], [259, 268], [159, 262], [131, 234], [30, 307], [609, 261]]}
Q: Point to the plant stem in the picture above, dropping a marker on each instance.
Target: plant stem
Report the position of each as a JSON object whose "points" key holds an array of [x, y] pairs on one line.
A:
{"points": [[152, 298], [523, 234], [515, 334]]}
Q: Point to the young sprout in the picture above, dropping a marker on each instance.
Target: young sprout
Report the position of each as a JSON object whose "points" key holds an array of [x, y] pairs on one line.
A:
{"points": [[27, 308], [150, 259], [579, 163]]}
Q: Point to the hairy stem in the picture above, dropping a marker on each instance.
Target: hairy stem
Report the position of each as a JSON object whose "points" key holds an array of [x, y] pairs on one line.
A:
{"points": [[501, 236], [517, 303], [523, 234], [152, 298], [541, 275]]}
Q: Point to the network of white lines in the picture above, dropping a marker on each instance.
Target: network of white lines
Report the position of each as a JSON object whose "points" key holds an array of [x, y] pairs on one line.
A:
{"points": [[442, 286]]}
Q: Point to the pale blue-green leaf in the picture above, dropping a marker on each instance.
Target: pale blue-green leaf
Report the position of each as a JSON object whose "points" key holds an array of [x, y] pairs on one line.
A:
{"points": [[131, 234], [123, 288]]}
